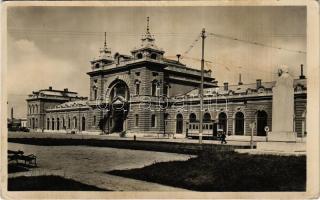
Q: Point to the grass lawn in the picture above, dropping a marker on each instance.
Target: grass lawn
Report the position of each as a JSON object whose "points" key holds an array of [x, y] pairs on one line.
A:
{"points": [[48, 183], [227, 171]]}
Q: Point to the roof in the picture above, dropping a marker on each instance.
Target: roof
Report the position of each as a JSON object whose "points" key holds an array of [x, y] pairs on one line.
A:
{"points": [[246, 89], [54, 95], [71, 105]]}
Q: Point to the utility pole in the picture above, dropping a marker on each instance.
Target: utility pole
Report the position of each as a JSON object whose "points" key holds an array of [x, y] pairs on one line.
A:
{"points": [[203, 36]]}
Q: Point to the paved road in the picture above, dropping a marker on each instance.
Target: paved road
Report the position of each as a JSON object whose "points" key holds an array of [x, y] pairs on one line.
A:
{"points": [[89, 164]]}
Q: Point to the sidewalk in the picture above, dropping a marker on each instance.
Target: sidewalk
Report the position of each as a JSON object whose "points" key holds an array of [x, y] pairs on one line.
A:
{"points": [[237, 141]]}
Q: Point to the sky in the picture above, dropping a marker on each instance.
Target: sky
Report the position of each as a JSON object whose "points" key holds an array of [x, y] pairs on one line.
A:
{"points": [[53, 46]]}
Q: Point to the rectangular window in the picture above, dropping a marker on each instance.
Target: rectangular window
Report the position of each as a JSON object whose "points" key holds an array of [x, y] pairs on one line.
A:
{"points": [[136, 123], [94, 120], [153, 121]]}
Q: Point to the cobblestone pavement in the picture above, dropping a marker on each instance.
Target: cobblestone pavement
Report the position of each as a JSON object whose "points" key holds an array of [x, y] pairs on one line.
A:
{"points": [[89, 164]]}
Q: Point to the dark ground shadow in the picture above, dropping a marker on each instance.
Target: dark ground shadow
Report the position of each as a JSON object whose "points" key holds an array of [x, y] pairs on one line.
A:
{"points": [[48, 183], [14, 168], [226, 171]]}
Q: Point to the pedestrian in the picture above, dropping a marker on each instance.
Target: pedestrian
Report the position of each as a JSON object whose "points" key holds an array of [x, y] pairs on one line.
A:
{"points": [[223, 138]]}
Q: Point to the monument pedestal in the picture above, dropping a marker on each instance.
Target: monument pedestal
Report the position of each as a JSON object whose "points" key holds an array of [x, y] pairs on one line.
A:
{"points": [[282, 136]]}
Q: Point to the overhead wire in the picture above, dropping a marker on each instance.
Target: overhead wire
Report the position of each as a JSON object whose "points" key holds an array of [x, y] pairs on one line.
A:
{"points": [[254, 43]]}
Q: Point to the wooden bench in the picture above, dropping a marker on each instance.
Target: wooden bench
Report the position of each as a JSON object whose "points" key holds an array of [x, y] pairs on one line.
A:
{"points": [[19, 155]]}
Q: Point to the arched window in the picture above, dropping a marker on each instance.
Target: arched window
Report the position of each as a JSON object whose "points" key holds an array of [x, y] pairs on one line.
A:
{"points": [[153, 56], [33, 125], [179, 123], [36, 125], [48, 123], [154, 88], [206, 118], [262, 119], [139, 55], [58, 124], [119, 89], [239, 123], [75, 125], [304, 124], [136, 120], [69, 123], [192, 118], [83, 126], [153, 121], [52, 124], [223, 121], [95, 93], [63, 123], [137, 88], [32, 108], [166, 118], [36, 108]]}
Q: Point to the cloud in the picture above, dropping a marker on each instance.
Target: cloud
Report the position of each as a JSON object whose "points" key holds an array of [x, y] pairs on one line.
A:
{"points": [[30, 69]]}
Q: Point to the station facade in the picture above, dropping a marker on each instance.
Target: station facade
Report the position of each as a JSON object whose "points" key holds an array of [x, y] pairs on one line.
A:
{"points": [[146, 93]]}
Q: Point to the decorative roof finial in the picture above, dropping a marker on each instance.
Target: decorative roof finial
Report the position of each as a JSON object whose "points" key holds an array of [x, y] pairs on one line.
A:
{"points": [[105, 52]]}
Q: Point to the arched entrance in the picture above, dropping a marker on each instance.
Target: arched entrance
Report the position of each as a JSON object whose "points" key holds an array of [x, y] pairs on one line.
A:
{"points": [[83, 126], [262, 119], [239, 124], [223, 121], [119, 97], [179, 123]]}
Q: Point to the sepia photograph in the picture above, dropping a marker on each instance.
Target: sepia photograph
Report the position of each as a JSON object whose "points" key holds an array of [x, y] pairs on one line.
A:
{"points": [[157, 98]]}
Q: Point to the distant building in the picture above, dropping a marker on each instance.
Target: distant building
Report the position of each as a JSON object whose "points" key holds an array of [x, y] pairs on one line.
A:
{"points": [[14, 124], [39, 101], [146, 93], [23, 123]]}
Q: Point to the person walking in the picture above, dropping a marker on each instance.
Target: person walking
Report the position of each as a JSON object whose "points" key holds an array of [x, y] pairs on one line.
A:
{"points": [[223, 138]]}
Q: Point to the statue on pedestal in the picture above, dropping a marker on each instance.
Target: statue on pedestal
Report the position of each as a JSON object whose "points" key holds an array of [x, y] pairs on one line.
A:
{"points": [[283, 108]]}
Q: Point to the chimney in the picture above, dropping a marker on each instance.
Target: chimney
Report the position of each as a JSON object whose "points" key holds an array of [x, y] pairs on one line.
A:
{"points": [[301, 73], [240, 82], [225, 86], [178, 56], [11, 113], [65, 89], [50, 87], [258, 83]]}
